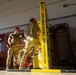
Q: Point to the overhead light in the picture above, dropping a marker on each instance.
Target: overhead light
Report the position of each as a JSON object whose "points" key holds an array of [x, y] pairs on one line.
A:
{"points": [[9, 0], [66, 5]]}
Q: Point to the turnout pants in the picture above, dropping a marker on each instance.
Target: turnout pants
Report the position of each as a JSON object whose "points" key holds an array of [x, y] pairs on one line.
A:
{"points": [[30, 43], [12, 56]]}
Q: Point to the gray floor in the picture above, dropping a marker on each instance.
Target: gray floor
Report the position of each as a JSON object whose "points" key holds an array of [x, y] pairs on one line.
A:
{"points": [[33, 73]]}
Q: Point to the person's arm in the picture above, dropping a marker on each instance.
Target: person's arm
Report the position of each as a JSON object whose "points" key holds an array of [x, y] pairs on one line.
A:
{"points": [[39, 31], [9, 40], [26, 31]]}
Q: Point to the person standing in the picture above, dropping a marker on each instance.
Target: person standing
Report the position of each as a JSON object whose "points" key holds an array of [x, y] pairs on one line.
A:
{"points": [[13, 49], [31, 33]]}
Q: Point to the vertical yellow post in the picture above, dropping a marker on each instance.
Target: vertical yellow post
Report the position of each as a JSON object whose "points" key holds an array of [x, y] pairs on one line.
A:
{"points": [[44, 37]]}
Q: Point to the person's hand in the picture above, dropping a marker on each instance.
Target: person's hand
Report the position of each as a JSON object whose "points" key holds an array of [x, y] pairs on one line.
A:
{"points": [[8, 45]]}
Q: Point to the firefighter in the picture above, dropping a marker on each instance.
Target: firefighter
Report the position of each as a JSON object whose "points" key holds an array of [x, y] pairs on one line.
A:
{"points": [[32, 41], [13, 49]]}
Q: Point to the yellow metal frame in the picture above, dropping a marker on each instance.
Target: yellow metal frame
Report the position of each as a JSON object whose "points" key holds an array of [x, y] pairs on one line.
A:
{"points": [[44, 42], [44, 37]]}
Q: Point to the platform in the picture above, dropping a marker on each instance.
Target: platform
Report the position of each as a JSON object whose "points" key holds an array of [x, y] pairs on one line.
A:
{"points": [[33, 73], [42, 70]]}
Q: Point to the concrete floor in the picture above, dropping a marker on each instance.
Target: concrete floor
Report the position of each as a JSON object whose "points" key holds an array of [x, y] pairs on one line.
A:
{"points": [[33, 73]]}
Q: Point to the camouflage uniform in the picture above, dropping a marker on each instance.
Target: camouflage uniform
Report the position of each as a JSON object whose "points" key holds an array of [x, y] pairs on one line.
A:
{"points": [[32, 41], [13, 51]]}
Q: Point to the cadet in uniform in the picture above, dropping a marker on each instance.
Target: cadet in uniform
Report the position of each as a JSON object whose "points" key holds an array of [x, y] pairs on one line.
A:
{"points": [[13, 49], [32, 41]]}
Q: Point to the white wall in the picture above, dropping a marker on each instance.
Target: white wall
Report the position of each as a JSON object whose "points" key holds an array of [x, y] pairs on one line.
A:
{"points": [[18, 12]]}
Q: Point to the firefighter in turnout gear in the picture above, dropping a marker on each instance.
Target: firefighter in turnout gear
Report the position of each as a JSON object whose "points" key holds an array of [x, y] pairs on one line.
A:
{"points": [[31, 33], [13, 49]]}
